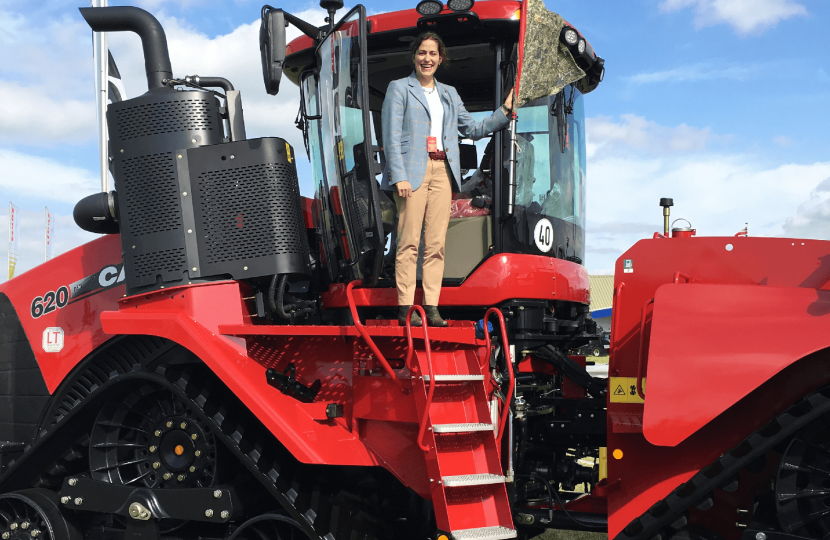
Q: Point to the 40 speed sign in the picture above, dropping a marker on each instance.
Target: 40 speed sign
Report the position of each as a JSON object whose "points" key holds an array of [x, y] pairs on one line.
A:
{"points": [[543, 235]]}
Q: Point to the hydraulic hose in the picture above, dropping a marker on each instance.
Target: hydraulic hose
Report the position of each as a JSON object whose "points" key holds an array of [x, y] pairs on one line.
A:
{"points": [[552, 493], [276, 299]]}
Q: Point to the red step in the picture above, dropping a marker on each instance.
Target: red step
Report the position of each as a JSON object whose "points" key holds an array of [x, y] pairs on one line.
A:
{"points": [[463, 460]]}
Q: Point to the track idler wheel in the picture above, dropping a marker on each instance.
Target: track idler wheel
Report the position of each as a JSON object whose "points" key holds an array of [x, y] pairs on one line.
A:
{"points": [[34, 514], [802, 489], [269, 526], [152, 439]]}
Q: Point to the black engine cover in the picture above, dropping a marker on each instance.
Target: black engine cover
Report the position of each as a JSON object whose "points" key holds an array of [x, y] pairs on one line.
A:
{"points": [[194, 209]]}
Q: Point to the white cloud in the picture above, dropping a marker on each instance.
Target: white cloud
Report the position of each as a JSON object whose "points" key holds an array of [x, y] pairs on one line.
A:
{"points": [[26, 175], [234, 56], [31, 243], [744, 16], [32, 116], [697, 72], [630, 170], [782, 140], [812, 219], [606, 137], [54, 54]]}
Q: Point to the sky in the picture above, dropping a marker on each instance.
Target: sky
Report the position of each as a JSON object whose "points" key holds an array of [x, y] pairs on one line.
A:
{"points": [[722, 105]]}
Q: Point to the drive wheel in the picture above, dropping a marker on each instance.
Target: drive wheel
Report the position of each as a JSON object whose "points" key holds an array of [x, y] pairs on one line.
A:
{"points": [[270, 526], [802, 489], [152, 439], [34, 514]]}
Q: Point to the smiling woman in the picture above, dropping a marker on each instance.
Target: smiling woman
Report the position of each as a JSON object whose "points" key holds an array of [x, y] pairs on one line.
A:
{"points": [[421, 122]]}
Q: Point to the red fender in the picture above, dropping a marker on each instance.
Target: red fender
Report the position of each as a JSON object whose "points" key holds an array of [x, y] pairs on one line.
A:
{"points": [[711, 345], [190, 316]]}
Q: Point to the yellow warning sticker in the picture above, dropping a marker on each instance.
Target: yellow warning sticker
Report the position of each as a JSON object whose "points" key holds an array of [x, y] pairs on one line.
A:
{"points": [[340, 150], [288, 151], [624, 390]]}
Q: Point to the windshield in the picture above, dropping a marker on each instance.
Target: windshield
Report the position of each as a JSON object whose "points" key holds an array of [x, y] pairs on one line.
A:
{"points": [[550, 172]]}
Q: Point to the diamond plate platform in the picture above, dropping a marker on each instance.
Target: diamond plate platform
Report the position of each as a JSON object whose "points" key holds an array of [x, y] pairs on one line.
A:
{"points": [[484, 533], [462, 428], [472, 480]]}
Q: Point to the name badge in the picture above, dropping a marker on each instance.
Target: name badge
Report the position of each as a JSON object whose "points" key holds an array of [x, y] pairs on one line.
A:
{"points": [[432, 144]]}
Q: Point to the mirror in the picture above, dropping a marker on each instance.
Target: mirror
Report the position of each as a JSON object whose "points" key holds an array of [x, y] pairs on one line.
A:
{"points": [[272, 47]]}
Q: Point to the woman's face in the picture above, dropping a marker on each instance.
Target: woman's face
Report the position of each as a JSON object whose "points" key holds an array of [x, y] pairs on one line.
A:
{"points": [[427, 58]]}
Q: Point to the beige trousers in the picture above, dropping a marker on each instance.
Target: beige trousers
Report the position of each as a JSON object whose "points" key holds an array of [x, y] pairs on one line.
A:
{"points": [[428, 207]]}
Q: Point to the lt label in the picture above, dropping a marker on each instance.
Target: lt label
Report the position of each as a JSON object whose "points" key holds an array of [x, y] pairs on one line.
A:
{"points": [[53, 339]]}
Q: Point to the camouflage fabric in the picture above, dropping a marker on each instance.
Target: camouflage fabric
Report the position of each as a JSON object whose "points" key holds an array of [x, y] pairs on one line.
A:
{"points": [[547, 65]]}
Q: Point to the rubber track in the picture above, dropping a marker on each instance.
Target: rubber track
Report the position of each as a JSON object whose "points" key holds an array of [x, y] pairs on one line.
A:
{"points": [[669, 514], [313, 499]]}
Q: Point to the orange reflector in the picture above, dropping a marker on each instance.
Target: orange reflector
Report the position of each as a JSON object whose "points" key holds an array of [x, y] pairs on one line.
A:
{"points": [[179, 449], [618, 454], [443, 537]]}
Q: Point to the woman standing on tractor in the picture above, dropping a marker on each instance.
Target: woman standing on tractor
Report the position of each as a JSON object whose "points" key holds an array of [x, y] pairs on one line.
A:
{"points": [[421, 122]]}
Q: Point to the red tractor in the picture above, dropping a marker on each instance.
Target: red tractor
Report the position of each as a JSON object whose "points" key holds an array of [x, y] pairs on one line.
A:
{"points": [[225, 363]]}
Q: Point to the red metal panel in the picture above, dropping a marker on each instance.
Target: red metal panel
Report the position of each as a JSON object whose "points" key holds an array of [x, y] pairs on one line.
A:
{"points": [[92, 275], [173, 314], [751, 333], [681, 346], [498, 279], [456, 332], [385, 22]]}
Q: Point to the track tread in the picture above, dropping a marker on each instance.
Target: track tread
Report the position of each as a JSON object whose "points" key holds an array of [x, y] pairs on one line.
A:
{"points": [[723, 472], [312, 499]]}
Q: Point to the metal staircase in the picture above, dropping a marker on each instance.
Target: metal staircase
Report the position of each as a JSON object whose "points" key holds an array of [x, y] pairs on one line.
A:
{"points": [[460, 440]]}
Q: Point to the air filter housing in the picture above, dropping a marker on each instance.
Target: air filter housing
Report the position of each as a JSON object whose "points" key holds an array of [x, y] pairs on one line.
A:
{"points": [[193, 208]]}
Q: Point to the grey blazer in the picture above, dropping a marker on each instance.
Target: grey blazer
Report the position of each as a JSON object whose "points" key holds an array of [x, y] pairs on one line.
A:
{"points": [[406, 126]]}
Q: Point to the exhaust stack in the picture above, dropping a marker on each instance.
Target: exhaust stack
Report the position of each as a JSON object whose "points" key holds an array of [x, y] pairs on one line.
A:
{"points": [[153, 38]]}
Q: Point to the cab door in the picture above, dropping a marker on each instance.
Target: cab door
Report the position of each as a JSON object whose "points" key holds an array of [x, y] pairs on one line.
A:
{"points": [[347, 208]]}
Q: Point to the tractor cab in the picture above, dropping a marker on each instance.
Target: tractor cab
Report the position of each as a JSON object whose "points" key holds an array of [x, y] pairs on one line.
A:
{"points": [[523, 188]]}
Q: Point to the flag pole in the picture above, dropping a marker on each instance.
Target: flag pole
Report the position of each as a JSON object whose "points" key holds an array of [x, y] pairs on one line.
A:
{"points": [[14, 232], [101, 54]]}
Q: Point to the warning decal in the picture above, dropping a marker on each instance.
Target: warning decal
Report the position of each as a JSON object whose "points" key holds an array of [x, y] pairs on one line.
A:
{"points": [[625, 390]]}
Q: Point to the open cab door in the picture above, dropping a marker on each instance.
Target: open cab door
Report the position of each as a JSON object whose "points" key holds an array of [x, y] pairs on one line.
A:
{"points": [[338, 131]]}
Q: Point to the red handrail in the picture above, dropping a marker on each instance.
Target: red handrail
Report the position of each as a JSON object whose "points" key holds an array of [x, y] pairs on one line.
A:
{"points": [[642, 343], [506, 347], [368, 339], [615, 313], [678, 275], [423, 424]]}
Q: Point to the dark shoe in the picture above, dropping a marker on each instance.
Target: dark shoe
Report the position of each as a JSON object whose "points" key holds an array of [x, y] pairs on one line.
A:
{"points": [[433, 317], [415, 320]]}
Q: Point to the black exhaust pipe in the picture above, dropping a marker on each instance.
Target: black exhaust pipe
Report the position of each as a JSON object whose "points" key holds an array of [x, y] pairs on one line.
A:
{"points": [[153, 39]]}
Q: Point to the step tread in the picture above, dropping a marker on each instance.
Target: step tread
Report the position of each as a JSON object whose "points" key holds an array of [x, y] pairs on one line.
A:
{"points": [[462, 428], [455, 378], [472, 479], [484, 533]]}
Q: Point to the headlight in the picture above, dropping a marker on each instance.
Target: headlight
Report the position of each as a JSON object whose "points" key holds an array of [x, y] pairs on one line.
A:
{"points": [[460, 5], [581, 46], [430, 7], [570, 36]]}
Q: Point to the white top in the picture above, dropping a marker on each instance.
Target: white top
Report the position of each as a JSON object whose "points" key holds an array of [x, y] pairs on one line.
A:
{"points": [[436, 115]]}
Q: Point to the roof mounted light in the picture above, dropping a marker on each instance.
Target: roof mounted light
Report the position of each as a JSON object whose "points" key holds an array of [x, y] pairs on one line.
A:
{"points": [[430, 7], [581, 47], [570, 36], [460, 5]]}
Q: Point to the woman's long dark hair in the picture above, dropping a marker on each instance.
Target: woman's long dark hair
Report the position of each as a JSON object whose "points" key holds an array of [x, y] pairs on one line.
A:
{"points": [[442, 49]]}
